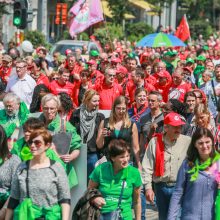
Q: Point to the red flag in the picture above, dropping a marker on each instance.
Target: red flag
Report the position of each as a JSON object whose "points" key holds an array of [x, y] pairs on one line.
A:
{"points": [[183, 32]]}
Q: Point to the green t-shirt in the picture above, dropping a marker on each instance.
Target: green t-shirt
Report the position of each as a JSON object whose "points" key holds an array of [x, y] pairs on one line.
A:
{"points": [[110, 187]]}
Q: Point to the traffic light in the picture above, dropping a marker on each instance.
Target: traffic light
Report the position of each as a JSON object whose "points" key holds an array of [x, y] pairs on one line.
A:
{"points": [[20, 14]]}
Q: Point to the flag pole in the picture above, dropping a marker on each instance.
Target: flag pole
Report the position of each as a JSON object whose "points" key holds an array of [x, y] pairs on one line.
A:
{"points": [[107, 30]]}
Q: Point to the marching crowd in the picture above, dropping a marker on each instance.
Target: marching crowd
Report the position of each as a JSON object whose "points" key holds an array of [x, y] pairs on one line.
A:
{"points": [[159, 143]]}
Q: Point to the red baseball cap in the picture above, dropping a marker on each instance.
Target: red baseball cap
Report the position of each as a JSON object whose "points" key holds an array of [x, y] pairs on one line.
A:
{"points": [[188, 69], [91, 62], [121, 69], [67, 51], [173, 119]]}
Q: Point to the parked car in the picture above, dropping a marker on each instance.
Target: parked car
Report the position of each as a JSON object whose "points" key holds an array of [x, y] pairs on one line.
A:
{"points": [[63, 45]]}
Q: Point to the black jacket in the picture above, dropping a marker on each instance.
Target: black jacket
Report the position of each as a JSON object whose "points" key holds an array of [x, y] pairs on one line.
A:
{"points": [[84, 210]]}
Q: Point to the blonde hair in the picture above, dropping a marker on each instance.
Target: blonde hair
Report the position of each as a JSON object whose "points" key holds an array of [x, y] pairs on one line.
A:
{"points": [[112, 119], [201, 109], [88, 96]]}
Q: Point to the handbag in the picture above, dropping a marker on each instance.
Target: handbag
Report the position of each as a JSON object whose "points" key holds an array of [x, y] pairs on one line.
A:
{"points": [[115, 215], [62, 140]]}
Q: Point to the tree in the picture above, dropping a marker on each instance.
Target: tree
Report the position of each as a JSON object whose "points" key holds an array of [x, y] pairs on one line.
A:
{"points": [[36, 38], [118, 8]]}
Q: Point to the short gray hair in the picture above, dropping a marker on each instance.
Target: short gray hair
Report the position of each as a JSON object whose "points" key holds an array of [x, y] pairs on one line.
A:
{"points": [[208, 73], [108, 69], [50, 97], [157, 93], [11, 97]]}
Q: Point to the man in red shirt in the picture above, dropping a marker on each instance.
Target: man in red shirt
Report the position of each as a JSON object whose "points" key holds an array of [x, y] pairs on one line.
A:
{"points": [[94, 74], [163, 85], [74, 67], [178, 88], [147, 68], [108, 90], [37, 75], [62, 84], [161, 66], [137, 82], [5, 70]]}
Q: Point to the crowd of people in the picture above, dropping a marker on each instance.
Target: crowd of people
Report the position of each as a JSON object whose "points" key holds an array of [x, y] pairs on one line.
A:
{"points": [[156, 138]]}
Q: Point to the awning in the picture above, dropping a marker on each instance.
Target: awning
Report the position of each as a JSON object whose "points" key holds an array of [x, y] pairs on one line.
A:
{"points": [[142, 4], [107, 12]]}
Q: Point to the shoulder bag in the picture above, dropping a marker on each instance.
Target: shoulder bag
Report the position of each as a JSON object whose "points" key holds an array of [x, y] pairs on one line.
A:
{"points": [[115, 215]]}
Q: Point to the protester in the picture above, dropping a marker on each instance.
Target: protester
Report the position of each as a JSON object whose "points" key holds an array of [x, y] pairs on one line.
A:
{"points": [[152, 121], [66, 106], [39, 92], [119, 126], [22, 84], [87, 119], [121, 175], [178, 88], [140, 107], [62, 84], [108, 90], [137, 82], [163, 157], [8, 167], [190, 100], [50, 105], [13, 116], [196, 188], [39, 186]]}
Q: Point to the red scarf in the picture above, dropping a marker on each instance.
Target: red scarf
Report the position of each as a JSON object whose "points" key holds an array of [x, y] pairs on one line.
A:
{"points": [[137, 114], [159, 162]]}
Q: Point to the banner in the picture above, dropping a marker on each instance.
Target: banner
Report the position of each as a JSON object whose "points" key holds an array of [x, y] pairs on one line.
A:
{"points": [[86, 13], [183, 32]]}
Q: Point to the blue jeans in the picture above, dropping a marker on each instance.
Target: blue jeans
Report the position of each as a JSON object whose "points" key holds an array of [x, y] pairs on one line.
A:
{"points": [[92, 158], [143, 203], [163, 194]]}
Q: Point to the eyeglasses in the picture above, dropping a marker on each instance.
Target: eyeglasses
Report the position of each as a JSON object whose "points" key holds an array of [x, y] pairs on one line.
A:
{"points": [[55, 78], [37, 143]]}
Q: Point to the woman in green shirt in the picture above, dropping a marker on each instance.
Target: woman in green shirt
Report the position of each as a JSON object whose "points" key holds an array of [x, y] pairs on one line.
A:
{"points": [[108, 178]]}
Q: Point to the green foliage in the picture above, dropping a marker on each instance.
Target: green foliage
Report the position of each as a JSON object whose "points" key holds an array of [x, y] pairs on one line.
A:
{"points": [[66, 35], [109, 33], [36, 38], [118, 8], [200, 26], [136, 31], [83, 36]]}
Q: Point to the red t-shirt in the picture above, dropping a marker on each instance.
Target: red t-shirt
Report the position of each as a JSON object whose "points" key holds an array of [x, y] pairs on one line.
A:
{"points": [[76, 87], [107, 94], [43, 80], [164, 90], [151, 80], [130, 90], [96, 78], [56, 88], [178, 92]]}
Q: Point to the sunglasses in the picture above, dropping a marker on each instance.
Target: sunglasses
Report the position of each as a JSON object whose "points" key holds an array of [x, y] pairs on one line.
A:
{"points": [[37, 143]]}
